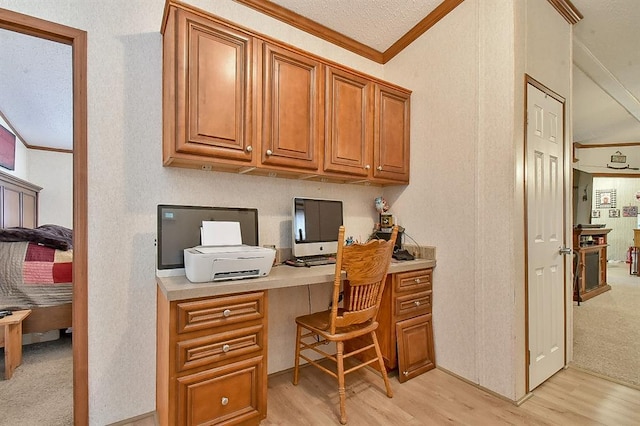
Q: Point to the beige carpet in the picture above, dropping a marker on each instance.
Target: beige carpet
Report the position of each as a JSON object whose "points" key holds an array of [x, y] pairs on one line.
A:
{"points": [[607, 329], [40, 392]]}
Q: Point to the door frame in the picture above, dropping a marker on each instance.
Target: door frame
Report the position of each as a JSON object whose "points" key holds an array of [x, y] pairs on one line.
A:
{"points": [[535, 83], [77, 39]]}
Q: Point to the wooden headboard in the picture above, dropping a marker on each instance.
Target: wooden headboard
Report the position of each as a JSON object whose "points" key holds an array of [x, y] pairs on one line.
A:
{"points": [[18, 202]]}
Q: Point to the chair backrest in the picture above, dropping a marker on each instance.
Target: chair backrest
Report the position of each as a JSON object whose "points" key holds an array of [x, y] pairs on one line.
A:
{"points": [[366, 267]]}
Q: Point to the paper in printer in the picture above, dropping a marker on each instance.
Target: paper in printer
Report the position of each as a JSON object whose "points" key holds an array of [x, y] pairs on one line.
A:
{"points": [[222, 256]]}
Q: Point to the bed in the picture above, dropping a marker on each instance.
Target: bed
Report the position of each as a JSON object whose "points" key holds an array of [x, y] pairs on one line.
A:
{"points": [[35, 261]]}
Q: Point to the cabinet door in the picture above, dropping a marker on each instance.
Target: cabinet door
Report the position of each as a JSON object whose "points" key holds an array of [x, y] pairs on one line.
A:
{"points": [[291, 109], [391, 134], [209, 69], [231, 394], [349, 123], [415, 347]]}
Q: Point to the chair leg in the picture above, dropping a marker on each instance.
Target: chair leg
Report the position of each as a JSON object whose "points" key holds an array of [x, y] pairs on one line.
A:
{"points": [[297, 362], [341, 389], [383, 369]]}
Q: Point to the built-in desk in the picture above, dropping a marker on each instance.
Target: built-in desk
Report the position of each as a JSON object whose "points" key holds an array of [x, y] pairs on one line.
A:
{"points": [[212, 339]]}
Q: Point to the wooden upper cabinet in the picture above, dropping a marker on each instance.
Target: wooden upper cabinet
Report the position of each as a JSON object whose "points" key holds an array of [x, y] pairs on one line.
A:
{"points": [[391, 135], [291, 108], [208, 106], [348, 123]]}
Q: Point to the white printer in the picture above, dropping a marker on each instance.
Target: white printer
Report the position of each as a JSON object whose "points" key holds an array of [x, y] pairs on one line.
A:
{"points": [[222, 256], [216, 263]]}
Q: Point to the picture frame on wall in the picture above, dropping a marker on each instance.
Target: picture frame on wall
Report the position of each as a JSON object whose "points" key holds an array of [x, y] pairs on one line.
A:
{"points": [[7, 149], [614, 213], [595, 213]]}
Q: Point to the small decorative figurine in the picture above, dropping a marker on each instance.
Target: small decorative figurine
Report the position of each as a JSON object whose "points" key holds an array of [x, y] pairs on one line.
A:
{"points": [[381, 205]]}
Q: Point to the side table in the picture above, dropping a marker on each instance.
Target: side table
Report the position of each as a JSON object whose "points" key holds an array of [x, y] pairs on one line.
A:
{"points": [[12, 325]]}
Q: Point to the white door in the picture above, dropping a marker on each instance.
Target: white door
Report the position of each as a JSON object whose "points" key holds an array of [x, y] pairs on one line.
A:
{"points": [[545, 235]]}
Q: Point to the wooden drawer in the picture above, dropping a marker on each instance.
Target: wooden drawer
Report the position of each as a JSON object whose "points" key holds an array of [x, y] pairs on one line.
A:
{"points": [[209, 313], [413, 281], [231, 394], [411, 305], [218, 347]]}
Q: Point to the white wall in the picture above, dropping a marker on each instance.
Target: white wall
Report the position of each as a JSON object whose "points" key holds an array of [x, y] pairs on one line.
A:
{"points": [[126, 182], [53, 171], [467, 191], [621, 236], [465, 196]]}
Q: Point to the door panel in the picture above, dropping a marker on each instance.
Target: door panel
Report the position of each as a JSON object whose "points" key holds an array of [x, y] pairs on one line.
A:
{"points": [[545, 235]]}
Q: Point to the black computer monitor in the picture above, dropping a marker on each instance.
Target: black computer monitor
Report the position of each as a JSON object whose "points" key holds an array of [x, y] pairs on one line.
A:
{"points": [[179, 228]]}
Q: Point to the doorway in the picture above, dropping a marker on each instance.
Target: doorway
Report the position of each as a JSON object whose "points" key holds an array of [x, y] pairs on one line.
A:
{"points": [[545, 233], [77, 39]]}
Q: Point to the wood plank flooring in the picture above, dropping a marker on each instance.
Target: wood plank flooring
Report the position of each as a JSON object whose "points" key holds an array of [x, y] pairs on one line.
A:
{"points": [[571, 397]]}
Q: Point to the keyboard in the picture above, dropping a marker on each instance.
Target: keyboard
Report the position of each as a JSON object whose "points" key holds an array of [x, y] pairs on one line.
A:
{"points": [[317, 261]]}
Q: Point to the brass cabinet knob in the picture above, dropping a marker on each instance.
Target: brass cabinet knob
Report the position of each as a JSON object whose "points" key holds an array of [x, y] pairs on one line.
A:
{"points": [[225, 348], [367, 167], [269, 152], [226, 312], [249, 148], [224, 400], [418, 280], [379, 167], [417, 303]]}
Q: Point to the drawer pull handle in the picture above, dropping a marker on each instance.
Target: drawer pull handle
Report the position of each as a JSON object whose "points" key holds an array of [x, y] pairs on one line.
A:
{"points": [[405, 373], [225, 348], [269, 152], [367, 167], [226, 313], [418, 280], [249, 148], [417, 302], [225, 400], [379, 168]]}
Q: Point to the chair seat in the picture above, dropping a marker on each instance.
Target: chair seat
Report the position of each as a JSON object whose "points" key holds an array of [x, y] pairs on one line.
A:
{"points": [[318, 322]]}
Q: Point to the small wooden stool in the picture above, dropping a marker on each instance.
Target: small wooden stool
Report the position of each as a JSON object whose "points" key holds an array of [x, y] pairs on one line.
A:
{"points": [[12, 325]]}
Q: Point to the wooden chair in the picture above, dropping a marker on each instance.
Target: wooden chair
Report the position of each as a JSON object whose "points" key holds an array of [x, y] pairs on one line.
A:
{"points": [[366, 267]]}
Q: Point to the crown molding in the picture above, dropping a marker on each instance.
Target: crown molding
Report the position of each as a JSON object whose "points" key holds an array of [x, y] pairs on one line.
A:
{"points": [[567, 10], [604, 145], [296, 20], [307, 25]]}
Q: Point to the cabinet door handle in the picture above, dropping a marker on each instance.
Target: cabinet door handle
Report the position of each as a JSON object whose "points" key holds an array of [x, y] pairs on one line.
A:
{"points": [[379, 168], [269, 152], [417, 303], [249, 148], [405, 373], [225, 348], [224, 400], [367, 167], [226, 313]]}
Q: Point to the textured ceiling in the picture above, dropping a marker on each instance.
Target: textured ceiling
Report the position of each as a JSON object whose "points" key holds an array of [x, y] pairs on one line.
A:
{"points": [[35, 88], [375, 23]]}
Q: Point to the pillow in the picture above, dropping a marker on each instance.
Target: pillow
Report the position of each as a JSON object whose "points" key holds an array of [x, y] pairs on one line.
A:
{"points": [[54, 236]]}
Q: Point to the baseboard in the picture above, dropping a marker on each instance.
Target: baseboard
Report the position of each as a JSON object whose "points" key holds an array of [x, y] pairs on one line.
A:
{"points": [[150, 415], [489, 391]]}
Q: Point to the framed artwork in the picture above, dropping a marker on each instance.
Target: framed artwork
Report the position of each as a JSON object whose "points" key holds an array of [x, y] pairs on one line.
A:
{"points": [[7, 149], [629, 211], [605, 198], [595, 213], [614, 213]]}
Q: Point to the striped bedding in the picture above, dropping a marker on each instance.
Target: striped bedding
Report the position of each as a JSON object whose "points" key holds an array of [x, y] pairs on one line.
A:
{"points": [[33, 275]]}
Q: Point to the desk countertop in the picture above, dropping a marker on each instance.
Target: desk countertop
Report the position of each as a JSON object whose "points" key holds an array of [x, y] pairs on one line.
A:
{"points": [[179, 287]]}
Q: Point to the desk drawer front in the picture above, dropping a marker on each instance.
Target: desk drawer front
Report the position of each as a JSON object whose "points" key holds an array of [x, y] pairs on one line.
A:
{"points": [[219, 347], [230, 394], [208, 313], [413, 304], [413, 281]]}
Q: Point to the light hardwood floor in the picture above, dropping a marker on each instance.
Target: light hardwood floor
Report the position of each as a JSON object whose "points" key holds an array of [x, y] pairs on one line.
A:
{"points": [[571, 397]]}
